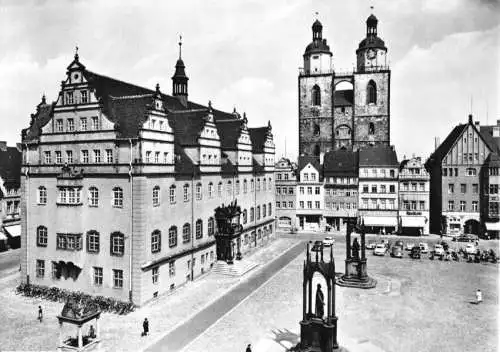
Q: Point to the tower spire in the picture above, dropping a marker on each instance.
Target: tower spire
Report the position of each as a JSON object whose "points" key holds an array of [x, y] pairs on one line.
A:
{"points": [[180, 47], [179, 79]]}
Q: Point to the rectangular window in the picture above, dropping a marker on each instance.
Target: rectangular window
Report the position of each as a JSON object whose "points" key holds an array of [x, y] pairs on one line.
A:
{"points": [[69, 98], [365, 203], [445, 172], [421, 205], [463, 188], [69, 157], [365, 188], [58, 157], [317, 204], [313, 176], [462, 205], [148, 156], [471, 171], [475, 188], [40, 268], [109, 156], [391, 203], [278, 190], [98, 276], [290, 190], [278, 205], [374, 188], [93, 241], [155, 274], [392, 189], [84, 96], [316, 190], [83, 123], [97, 156], [306, 176], [301, 190], [48, 158], [301, 204], [290, 205], [382, 189], [475, 205], [67, 241], [71, 125], [413, 205], [165, 157], [414, 187], [421, 186], [85, 156], [309, 204], [157, 157], [309, 190], [451, 205], [117, 278], [451, 188], [373, 204], [95, 123]]}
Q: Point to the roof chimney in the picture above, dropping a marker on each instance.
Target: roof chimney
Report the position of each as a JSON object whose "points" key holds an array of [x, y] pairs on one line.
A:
{"points": [[498, 122], [470, 118], [436, 143], [476, 123]]}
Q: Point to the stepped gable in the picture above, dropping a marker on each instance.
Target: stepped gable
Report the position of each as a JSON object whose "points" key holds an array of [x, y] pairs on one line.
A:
{"points": [[378, 155], [340, 162], [306, 159], [10, 167]]}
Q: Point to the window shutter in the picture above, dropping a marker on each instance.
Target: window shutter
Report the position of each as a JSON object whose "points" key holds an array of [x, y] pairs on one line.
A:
{"points": [[111, 244]]}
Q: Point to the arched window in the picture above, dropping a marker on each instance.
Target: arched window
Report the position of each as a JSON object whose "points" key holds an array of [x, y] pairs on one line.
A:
{"points": [[211, 226], [251, 214], [117, 197], [316, 150], [117, 243], [172, 236], [245, 186], [229, 188], [199, 229], [237, 187], [270, 209], [252, 185], [41, 236], [371, 128], [185, 189], [171, 194], [316, 129], [198, 191], [270, 184], [316, 96], [264, 186], [210, 190], [245, 214], [371, 93], [93, 241], [156, 241], [258, 212], [186, 233], [258, 184], [93, 197], [156, 195], [42, 195], [219, 189], [264, 211]]}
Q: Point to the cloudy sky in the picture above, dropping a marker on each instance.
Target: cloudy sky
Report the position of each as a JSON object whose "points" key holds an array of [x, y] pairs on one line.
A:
{"points": [[444, 56]]}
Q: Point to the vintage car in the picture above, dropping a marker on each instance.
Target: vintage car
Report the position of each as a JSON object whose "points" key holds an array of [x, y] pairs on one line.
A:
{"points": [[409, 246], [399, 243], [470, 248], [415, 253], [328, 241], [424, 247], [397, 251], [317, 246], [438, 249], [380, 249]]}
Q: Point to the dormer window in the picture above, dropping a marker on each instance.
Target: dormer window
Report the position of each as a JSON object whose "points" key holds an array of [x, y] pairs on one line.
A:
{"points": [[84, 96], [69, 98], [160, 125]]}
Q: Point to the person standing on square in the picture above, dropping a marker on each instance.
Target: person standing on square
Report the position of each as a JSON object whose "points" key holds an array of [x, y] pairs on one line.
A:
{"points": [[479, 296]]}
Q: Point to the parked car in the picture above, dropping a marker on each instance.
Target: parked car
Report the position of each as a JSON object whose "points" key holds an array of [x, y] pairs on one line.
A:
{"points": [[397, 251], [371, 245], [328, 241], [399, 243], [380, 249], [415, 253], [409, 246], [470, 248], [438, 249], [424, 247]]}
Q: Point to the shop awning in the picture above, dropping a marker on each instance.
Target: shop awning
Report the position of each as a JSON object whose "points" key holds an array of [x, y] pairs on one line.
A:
{"points": [[492, 226], [380, 221], [13, 231], [413, 221]]}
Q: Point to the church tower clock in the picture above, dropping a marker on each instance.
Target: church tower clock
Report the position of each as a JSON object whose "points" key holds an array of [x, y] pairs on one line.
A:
{"points": [[315, 96]]}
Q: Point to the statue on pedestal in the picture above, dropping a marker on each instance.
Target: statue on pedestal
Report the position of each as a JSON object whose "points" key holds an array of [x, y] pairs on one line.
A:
{"points": [[355, 249], [320, 303]]}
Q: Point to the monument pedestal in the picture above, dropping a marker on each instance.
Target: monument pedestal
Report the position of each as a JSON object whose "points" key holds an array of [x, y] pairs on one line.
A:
{"points": [[356, 275]]}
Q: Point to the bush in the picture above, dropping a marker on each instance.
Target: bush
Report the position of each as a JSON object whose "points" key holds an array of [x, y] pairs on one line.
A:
{"points": [[55, 294]]}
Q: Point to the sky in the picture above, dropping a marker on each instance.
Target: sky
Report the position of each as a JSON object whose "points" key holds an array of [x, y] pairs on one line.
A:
{"points": [[444, 56]]}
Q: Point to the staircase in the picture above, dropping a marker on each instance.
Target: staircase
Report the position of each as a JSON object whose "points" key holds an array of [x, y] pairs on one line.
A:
{"points": [[238, 268]]}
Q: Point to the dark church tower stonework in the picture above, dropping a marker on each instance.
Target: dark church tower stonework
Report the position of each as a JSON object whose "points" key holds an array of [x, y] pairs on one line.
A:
{"points": [[315, 96], [372, 90], [180, 80], [344, 110]]}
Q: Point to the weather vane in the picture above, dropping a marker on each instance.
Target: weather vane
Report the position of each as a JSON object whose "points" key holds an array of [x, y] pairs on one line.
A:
{"points": [[180, 45], [316, 13], [76, 51]]}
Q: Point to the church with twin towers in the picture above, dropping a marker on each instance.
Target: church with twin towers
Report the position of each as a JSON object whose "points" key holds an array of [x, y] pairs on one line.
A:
{"points": [[344, 110]]}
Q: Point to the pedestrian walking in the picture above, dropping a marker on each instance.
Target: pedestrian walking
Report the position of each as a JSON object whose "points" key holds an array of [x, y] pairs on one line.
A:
{"points": [[479, 296], [40, 313], [145, 327], [249, 348]]}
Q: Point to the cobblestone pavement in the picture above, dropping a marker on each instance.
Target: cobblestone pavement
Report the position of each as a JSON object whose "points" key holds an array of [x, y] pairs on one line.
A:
{"points": [[121, 333], [418, 305]]}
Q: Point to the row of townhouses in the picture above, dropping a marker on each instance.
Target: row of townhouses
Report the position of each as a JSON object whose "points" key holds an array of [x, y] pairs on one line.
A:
{"points": [[369, 183], [120, 184]]}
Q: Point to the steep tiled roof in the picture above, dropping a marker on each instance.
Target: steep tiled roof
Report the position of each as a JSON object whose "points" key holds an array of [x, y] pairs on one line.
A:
{"points": [[487, 134], [444, 147], [258, 137], [340, 162], [306, 159], [128, 113], [229, 132], [38, 120], [378, 155], [187, 125], [183, 163], [343, 98], [10, 167], [493, 160]]}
